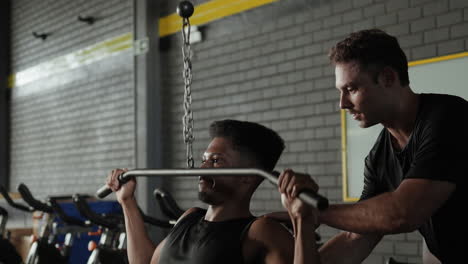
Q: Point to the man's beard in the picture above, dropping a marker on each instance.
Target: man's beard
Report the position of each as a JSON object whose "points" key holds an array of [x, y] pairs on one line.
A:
{"points": [[206, 198]]}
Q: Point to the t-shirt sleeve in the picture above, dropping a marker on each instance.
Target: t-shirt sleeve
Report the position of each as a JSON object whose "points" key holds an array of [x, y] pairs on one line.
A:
{"points": [[370, 180], [440, 152]]}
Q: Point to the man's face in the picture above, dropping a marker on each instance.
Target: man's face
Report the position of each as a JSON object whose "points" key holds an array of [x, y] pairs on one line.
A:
{"points": [[360, 95], [219, 154]]}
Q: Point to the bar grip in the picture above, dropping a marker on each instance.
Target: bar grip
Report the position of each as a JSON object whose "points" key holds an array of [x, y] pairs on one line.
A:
{"points": [[314, 199], [103, 191]]}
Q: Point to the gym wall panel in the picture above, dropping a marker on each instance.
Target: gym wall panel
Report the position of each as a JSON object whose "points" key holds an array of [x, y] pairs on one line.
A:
{"points": [[270, 65], [74, 119], [4, 91]]}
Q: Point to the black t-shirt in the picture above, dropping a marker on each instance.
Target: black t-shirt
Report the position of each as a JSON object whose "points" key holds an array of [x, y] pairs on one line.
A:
{"points": [[437, 150], [194, 240]]}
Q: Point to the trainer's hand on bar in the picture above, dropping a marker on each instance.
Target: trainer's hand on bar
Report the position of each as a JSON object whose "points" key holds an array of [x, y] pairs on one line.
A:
{"points": [[124, 192], [290, 184]]}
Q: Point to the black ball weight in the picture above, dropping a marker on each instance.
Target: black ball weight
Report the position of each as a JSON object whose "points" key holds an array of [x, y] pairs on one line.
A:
{"points": [[185, 9]]}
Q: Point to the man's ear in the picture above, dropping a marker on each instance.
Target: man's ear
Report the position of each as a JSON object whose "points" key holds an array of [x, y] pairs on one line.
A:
{"points": [[388, 76]]}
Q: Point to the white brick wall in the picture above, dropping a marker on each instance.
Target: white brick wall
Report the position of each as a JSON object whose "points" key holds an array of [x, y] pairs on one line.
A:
{"points": [[66, 137]]}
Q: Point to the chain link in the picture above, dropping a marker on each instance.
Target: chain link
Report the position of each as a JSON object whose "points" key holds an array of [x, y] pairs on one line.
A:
{"points": [[187, 120]]}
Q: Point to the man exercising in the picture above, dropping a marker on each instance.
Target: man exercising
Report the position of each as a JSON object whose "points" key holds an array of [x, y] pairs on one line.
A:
{"points": [[226, 232], [415, 175]]}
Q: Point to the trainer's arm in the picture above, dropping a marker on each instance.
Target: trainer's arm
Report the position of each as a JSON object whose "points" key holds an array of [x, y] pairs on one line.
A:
{"points": [[348, 248], [400, 211]]}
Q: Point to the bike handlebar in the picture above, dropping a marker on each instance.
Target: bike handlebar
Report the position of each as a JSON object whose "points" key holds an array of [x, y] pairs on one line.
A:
{"points": [[33, 202], [14, 204]]}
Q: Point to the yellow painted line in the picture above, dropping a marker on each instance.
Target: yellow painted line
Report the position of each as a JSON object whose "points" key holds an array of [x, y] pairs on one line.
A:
{"points": [[11, 80], [108, 44], [344, 157], [437, 59], [121, 48], [208, 12], [73, 60]]}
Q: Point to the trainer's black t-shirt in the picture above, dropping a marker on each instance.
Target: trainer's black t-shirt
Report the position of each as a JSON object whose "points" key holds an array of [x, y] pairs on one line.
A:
{"points": [[197, 241], [437, 150]]}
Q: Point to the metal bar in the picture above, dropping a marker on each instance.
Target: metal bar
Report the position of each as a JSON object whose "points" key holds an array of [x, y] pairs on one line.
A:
{"points": [[310, 198]]}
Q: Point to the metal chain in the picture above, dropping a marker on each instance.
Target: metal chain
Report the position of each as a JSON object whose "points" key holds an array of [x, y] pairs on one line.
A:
{"points": [[187, 120]]}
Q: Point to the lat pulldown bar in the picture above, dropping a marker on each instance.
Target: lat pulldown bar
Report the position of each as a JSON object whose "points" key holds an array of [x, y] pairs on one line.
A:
{"points": [[308, 197]]}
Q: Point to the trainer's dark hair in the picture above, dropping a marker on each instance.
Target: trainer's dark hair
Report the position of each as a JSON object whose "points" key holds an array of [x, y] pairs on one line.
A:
{"points": [[262, 143], [373, 49]]}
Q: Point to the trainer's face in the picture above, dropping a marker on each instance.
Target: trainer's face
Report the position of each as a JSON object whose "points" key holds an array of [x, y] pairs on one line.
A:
{"points": [[219, 154], [360, 95]]}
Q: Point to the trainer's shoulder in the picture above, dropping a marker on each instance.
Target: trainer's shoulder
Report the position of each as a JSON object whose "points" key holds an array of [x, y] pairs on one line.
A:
{"points": [[444, 101]]}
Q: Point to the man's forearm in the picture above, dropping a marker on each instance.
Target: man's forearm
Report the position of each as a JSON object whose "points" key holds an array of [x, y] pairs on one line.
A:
{"points": [[376, 215], [139, 247], [348, 248], [305, 247]]}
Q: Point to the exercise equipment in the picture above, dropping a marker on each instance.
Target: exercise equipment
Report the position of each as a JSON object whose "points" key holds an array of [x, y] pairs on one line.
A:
{"points": [[111, 246], [168, 205], [393, 261], [39, 246], [8, 255], [111, 231], [310, 198], [185, 10], [48, 246]]}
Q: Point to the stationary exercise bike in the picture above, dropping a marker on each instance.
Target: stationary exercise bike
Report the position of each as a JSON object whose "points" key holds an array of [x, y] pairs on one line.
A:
{"points": [[8, 255], [112, 244]]}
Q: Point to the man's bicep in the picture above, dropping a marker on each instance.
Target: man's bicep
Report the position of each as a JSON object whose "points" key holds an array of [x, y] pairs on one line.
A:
{"points": [[282, 248], [157, 252], [276, 244]]}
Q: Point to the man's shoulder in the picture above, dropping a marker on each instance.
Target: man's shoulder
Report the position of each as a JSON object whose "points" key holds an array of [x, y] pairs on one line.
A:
{"points": [[440, 114], [266, 228], [443, 104], [192, 211], [268, 237]]}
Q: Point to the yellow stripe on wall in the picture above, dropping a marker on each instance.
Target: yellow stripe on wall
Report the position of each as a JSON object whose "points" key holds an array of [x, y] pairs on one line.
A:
{"points": [[208, 12], [73, 60], [437, 59]]}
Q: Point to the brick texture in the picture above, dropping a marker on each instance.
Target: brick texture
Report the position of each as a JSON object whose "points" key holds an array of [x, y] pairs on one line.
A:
{"points": [[80, 123]]}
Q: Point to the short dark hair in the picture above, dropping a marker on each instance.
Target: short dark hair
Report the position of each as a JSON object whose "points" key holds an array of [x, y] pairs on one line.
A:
{"points": [[373, 49], [264, 144]]}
